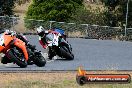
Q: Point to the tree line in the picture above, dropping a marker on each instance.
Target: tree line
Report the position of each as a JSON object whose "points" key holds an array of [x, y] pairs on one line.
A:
{"points": [[72, 11]]}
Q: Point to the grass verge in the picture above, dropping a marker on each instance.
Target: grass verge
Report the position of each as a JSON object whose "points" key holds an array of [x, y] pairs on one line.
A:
{"points": [[52, 80]]}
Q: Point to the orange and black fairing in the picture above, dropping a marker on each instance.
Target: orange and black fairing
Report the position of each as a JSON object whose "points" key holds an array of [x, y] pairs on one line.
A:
{"points": [[20, 44], [8, 40]]}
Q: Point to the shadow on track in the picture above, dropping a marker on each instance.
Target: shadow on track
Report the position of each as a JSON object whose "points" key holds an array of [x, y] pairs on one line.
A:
{"points": [[63, 60], [12, 67]]}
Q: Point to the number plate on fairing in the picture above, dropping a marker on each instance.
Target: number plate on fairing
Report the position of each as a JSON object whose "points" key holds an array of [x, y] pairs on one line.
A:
{"points": [[53, 41]]}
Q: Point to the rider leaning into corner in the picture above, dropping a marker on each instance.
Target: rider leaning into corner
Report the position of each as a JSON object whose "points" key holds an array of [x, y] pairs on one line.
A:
{"points": [[20, 36], [42, 38]]}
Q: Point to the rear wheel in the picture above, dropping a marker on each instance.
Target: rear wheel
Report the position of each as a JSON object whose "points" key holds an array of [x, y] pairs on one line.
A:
{"points": [[39, 60], [16, 56]]}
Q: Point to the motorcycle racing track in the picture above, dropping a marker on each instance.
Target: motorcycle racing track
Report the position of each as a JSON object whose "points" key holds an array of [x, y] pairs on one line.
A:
{"points": [[89, 53]]}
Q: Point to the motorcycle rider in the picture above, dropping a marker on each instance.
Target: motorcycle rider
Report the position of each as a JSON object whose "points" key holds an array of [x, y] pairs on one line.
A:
{"points": [[42, 39], [21, 37]]}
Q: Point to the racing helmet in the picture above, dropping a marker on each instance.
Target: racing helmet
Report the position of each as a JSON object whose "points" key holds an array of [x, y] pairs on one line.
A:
{"points": [[41, 31]]}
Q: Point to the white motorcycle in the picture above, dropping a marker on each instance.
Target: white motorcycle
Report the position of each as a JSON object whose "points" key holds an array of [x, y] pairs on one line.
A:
{"points": [[58, 46]]}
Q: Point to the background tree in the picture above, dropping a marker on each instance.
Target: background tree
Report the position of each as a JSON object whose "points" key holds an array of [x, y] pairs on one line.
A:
{"points": [[110, 12], [6, 7], [59, 10], [116, 12], [83, 16], [123, 10]]}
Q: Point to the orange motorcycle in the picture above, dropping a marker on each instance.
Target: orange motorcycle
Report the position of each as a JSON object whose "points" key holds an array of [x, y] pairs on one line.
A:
{"points": [[14, 50]]}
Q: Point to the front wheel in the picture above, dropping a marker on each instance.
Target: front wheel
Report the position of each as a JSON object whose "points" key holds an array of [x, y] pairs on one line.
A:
{"points": [[66, 54], [16, 56]]}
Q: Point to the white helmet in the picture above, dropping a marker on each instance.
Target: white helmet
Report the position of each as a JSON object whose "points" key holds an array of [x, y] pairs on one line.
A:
{"points": [[40, 29]]}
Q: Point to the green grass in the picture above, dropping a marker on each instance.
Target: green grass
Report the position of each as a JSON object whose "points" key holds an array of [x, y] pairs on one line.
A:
{"points": [[52, 80], [63, 84]]}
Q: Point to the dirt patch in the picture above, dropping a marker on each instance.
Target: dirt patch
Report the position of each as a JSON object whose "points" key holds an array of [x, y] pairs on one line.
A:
{"points": [[76, 34], [20, 10], [94, 7]]}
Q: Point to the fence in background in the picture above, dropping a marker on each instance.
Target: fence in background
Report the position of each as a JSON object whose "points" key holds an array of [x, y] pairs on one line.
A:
{"points": [[8, 22], [71, 29]]}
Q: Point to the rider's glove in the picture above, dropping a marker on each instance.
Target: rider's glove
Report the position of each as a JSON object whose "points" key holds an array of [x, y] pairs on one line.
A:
{"points": [[59, 34]]}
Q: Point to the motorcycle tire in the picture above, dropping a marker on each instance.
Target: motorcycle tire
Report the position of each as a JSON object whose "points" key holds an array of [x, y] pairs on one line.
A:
{"points": [[39, 61], [13, 57], [66, 54]]}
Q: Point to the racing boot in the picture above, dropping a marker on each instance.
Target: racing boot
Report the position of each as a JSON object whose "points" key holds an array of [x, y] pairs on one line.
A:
{"points": [[50, 54], [30, 62]]}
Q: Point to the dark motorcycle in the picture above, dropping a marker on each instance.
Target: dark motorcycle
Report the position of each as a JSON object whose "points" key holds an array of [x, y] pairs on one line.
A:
{"points": [[35, 56]]}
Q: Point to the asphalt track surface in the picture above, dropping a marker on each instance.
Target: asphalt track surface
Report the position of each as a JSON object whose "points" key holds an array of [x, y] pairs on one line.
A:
{"points": [[89, 53]]}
